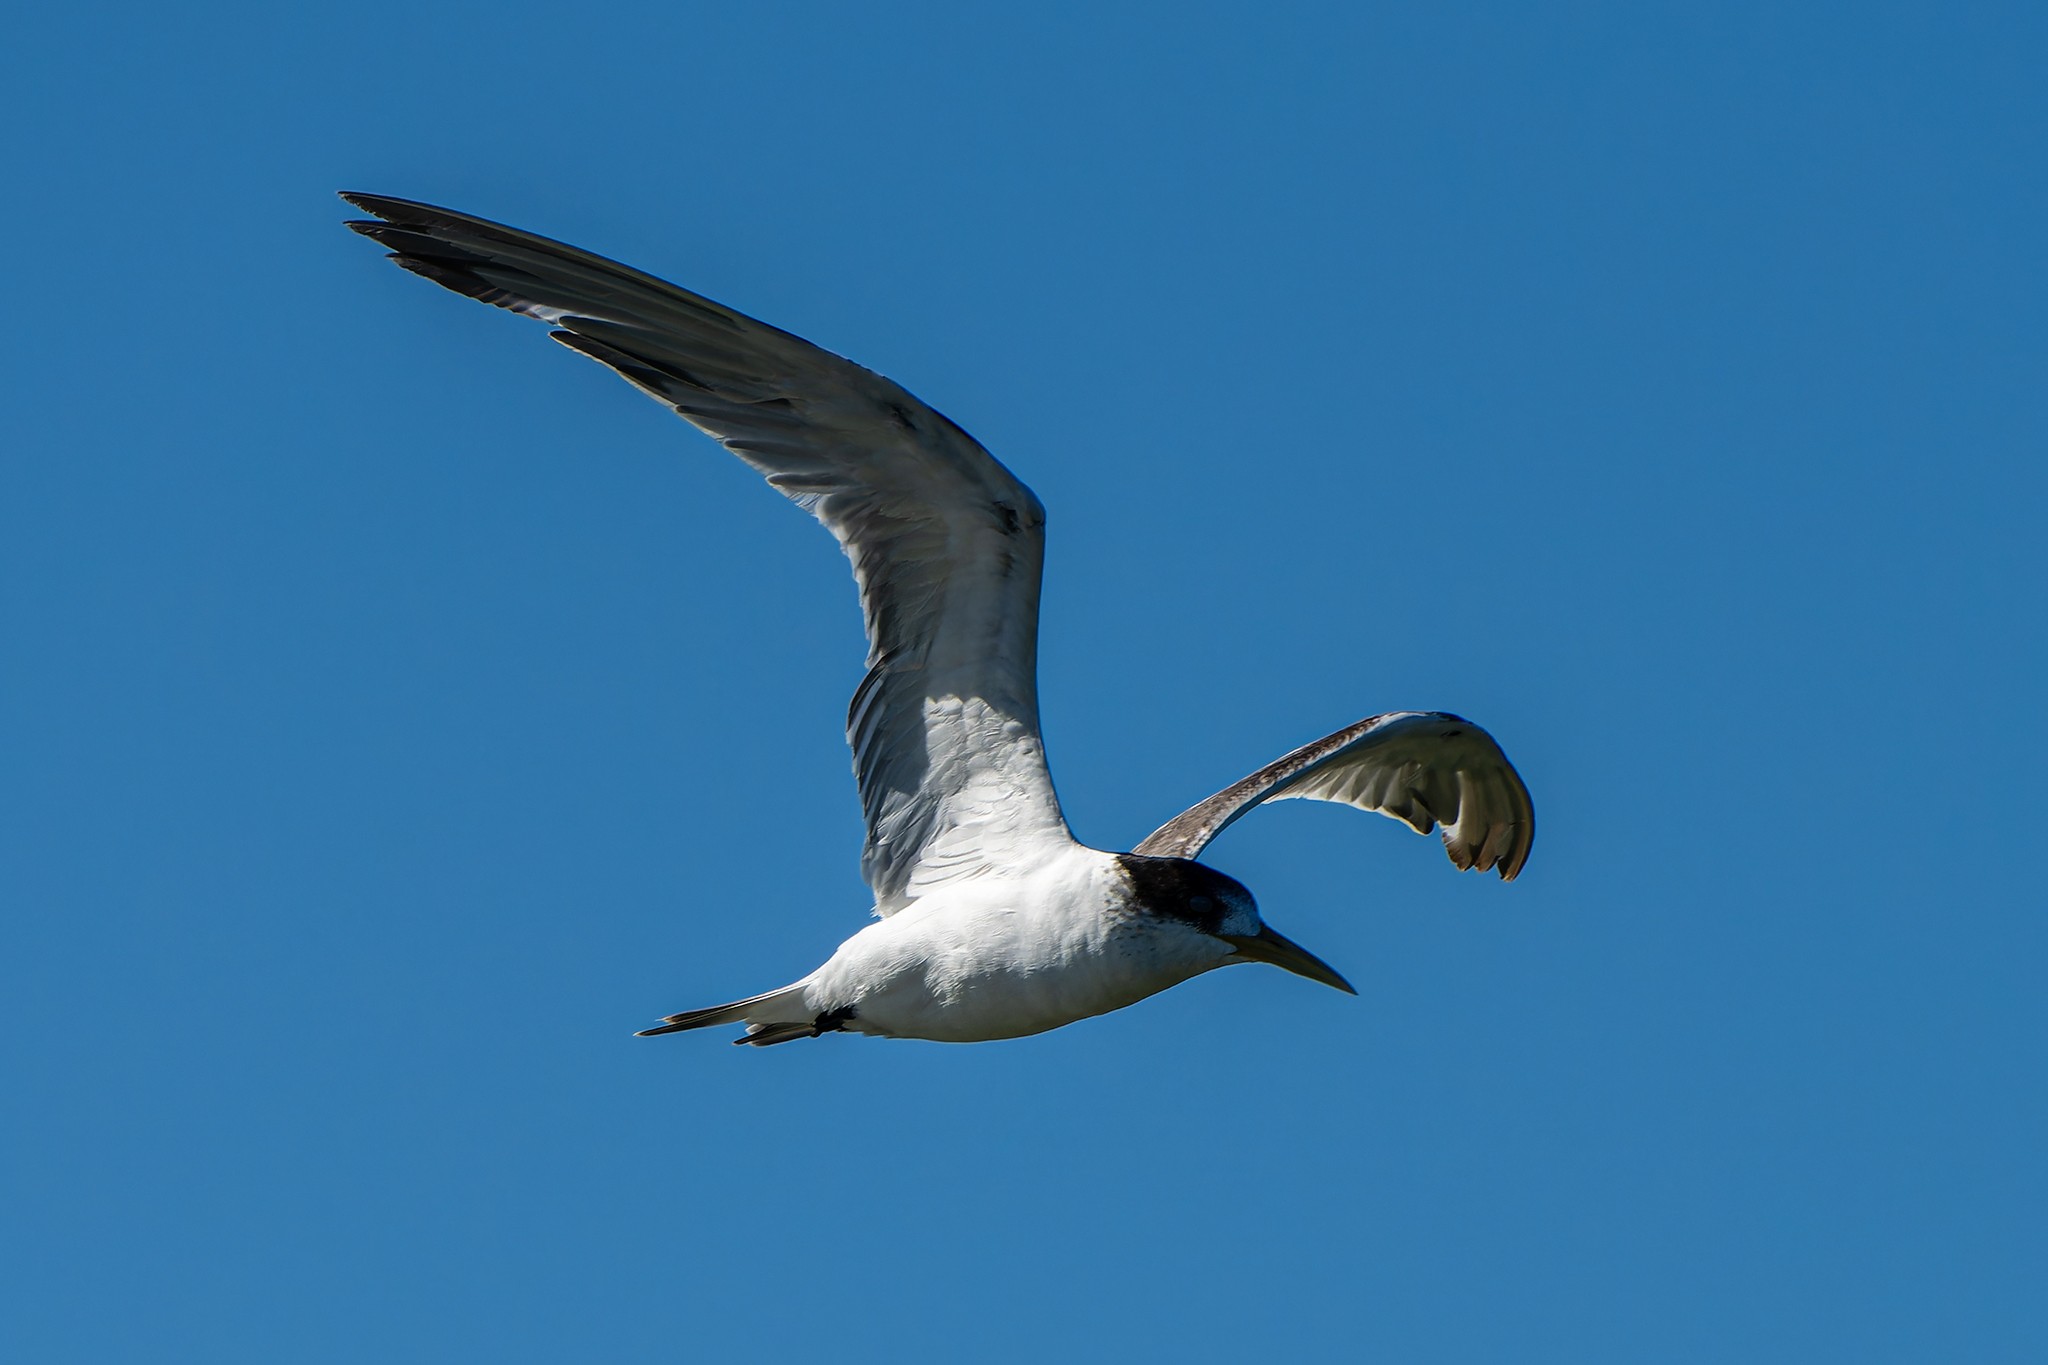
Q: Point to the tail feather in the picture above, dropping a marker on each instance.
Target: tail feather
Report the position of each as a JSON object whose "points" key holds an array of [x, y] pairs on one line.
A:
{"points": [[773, 1010], [763, 1035]]}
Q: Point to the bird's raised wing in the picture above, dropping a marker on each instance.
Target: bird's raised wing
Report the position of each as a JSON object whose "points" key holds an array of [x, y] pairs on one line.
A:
{"points": [[946, 544], [1423, 767]]}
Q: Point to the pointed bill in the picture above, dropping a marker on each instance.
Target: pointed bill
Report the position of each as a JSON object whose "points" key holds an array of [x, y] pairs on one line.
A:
{"points": [[1269, 945]]}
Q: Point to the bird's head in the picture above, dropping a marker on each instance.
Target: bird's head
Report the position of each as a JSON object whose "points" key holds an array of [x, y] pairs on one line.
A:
{"points": [[1219, 906]]}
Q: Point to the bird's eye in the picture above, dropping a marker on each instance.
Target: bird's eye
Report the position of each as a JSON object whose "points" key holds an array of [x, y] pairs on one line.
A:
{"points": [[1201, 905]]}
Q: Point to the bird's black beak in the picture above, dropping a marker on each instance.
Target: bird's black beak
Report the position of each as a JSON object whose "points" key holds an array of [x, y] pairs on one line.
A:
{"points": [[1281, 951]]}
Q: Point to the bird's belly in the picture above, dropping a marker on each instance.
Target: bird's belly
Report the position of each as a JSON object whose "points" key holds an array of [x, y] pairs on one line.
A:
{"points": [[985, 985], [999, 1005]]}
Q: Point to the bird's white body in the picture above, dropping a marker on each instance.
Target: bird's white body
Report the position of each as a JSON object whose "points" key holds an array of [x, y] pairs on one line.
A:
{"points": [[994, 922], [1005, 956]]}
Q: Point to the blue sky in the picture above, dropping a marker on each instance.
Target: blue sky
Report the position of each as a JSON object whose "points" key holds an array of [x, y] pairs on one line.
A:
{"points": [[401, 711]]}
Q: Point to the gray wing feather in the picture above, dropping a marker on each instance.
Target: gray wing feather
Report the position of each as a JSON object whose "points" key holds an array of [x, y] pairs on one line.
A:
{"points": [[946, 545], [1426, 768]]}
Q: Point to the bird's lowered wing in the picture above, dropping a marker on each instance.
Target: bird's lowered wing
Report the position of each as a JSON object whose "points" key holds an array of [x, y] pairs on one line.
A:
{"points": [[946, 544], [1423, 767]]}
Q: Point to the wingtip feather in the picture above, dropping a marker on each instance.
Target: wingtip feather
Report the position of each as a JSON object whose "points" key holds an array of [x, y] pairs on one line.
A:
{"points": [[383, 205]]}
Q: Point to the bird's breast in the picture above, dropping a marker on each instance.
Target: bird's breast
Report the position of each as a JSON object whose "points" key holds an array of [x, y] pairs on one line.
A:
{"points": [[974, 971]]}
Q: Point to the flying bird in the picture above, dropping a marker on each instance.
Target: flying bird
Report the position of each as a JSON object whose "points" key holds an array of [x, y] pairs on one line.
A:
{"points": [[992, 920]]}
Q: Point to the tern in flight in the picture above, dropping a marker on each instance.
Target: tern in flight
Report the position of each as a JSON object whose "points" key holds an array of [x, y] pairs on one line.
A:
{"points": [[992, 920]]}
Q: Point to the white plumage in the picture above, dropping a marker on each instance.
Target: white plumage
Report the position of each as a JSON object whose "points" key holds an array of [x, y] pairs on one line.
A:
{"points": [[994, 922]]}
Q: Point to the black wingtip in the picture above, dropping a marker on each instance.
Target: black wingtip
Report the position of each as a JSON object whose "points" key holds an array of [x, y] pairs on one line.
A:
{"points": [[449, 276], [412, 241], [382, 205]]}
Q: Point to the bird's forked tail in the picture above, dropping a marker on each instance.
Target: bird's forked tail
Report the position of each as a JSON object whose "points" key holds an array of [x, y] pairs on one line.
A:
{"points": [[776, 1017]]}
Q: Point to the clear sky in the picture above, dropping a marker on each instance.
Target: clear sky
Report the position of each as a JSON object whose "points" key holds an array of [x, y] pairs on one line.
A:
{"points": [[398, 711]]}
